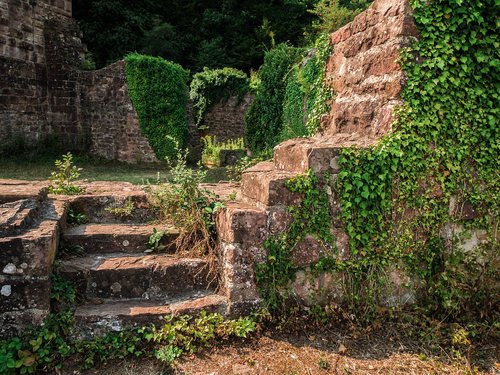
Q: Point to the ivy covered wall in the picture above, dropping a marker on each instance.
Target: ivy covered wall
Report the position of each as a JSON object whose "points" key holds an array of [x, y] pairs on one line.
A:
{"points": [[159, 92]]}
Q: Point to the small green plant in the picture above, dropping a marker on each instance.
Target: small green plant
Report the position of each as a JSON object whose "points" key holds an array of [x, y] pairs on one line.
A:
{"points": [[190, 208], [76, 218], [122, 211], [88, 62], [212, 149], [62, 290], [62, 180], [43, 350], [324, 364], [154, 241]]}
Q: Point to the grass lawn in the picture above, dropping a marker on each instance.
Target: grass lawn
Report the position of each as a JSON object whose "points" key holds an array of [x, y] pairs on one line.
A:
{"points": [[40, 167]]}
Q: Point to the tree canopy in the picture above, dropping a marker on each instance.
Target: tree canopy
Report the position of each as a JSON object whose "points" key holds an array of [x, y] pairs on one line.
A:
{"points": [[193, 33]]}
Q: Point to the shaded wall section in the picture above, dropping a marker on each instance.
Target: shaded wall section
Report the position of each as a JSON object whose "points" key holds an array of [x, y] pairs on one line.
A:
{"points": [[46, 98]]}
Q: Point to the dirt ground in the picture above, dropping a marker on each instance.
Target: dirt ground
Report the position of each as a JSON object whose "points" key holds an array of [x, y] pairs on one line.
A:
{"points": [[320, 352]]}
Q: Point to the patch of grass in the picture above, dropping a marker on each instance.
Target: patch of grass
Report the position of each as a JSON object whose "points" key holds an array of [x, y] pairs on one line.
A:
{"points": [[39, 168]]}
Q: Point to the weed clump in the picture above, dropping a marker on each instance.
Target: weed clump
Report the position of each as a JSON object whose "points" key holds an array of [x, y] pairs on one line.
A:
{"points": [[62, 179]]}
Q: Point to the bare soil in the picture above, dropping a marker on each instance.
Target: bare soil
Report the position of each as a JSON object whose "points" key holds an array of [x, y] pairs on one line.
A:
{"points": [[321, 351]]}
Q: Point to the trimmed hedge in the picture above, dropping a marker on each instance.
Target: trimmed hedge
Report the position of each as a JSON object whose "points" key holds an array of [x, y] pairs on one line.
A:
{"points": [[159, 92]]}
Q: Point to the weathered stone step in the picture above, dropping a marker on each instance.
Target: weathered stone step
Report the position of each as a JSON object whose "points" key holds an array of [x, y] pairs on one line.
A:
{"points": [[17, 216], [14, 190], [126, 276], [319, 153], [264, 186], [113, 238], [129, 207], [115, 315]]}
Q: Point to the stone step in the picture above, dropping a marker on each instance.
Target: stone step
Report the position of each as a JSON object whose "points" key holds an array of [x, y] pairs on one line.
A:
{"points": [[14, 190], [319, 153], [15, 217], [264, 186], [128, 276], [97, 319], [109, 208], [114, 238]]}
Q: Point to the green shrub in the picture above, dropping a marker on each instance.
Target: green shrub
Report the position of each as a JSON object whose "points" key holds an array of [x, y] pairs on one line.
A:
{"points": [[190, 208], [211, 86], [158, 89], [333, 14], [306, 95], [212, 149], [264, 120]]}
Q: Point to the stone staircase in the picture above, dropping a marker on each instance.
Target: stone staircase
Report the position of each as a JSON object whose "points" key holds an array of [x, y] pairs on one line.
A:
{"points": [[30, 224], [262, 210], [117, 282]]}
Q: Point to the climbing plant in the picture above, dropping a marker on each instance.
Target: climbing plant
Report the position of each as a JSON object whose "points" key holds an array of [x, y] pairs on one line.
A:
{"points": [[311, 217], [399, 197], [213, 85], [307, 95], [264, 119], [432, 184], [159, 92]]}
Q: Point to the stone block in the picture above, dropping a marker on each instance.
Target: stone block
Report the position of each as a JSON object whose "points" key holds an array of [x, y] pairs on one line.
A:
{"points": [[309, 251], [265, 186], [21, 293], [241, 223], [31, 253], [16, 216], [12, 323], [319, 154], [310, 289], [279, 220]]}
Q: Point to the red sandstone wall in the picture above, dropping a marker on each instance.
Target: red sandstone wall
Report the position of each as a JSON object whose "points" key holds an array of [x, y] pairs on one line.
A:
{"points": [[226, 119], [364, 71], [38, 43], [108, 112]]}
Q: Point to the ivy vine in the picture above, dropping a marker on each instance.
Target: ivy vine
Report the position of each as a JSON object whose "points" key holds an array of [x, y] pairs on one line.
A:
{"points": [[158, 90], [403, 199], [213, 85]]}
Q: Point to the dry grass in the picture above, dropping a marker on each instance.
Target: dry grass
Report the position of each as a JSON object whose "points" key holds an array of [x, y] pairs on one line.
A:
{"points": [[317, 352]]}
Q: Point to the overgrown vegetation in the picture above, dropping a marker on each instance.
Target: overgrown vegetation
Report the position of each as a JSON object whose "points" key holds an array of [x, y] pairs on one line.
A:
{"points": [[63, 178], [158, 89], [307, 95], [183, 203], [442, 156], [311, 217], [333, 14], [212, 149], [264, 119], [75, 217], [122, 211], [44, 349], [413, 201], [215, 85]]}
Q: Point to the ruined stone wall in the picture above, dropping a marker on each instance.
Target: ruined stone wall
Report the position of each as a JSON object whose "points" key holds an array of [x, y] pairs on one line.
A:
{"points": [[45, 97], [107, 111], [226, 119], [364, 70], [39, 43]]}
